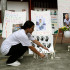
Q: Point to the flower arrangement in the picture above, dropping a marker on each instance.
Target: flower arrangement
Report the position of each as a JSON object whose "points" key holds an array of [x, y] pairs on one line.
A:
{"points": [[65, 28]]}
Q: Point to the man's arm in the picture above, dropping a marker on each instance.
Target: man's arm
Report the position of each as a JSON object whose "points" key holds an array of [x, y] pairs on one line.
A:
{"points": [[39, 44], [69, 23], [65, 24], [35, 51]]}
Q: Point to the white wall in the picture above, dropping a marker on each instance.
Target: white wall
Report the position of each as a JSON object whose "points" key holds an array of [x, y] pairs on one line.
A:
{"points": [[17, 6], [63, 7]]}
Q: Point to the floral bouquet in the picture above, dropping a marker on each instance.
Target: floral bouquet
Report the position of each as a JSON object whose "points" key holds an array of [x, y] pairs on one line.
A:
{"points": [[65, 28]]}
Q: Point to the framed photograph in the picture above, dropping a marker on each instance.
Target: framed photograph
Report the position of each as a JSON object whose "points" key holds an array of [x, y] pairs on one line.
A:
{"points": [[40, 24], [66, 19], [16, 27]]}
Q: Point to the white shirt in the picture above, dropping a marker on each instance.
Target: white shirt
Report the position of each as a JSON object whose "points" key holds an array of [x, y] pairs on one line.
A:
{"points": [[17, 37], [67, 21]]}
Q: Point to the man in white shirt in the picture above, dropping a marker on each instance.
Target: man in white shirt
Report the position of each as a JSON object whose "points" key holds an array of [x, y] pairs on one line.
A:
{"points": [[40, 25], [19, 42], [67, 20]]}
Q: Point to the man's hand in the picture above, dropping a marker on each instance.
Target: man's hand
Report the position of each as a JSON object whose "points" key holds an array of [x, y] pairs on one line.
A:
{"points": [[37, 52], [46, 49], [42, 55]]}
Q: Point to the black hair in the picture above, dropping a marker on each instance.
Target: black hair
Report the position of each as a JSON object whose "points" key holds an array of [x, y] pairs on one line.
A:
{"points": [[27, 24]]}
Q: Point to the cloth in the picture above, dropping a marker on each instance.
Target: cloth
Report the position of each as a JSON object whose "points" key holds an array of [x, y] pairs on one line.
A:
{"points": [[16, 52], [67, 21]]}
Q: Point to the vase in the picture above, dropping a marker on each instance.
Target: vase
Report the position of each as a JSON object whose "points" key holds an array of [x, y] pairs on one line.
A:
{"points": [[67, 34]]}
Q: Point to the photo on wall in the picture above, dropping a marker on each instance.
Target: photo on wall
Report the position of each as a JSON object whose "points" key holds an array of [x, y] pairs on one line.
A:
{"points": [[53, 12], [66, 19], [16, 27], [40, 23]]}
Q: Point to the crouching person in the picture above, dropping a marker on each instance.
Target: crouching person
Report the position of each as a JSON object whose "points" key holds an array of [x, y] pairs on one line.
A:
{"points": [[18, 43]]}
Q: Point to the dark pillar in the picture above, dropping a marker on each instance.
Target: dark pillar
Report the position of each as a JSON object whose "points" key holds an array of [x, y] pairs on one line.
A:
{"points": [[3, 8], [30, 10]]}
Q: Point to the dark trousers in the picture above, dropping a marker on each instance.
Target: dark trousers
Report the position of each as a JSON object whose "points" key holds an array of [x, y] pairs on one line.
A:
{"points": [[16, 52]]}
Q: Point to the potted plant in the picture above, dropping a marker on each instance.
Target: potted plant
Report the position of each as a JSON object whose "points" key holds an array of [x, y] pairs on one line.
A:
{"points": [[66, 31]]}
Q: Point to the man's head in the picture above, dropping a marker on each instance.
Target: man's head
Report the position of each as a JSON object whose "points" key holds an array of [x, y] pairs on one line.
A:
{"points": [[66, 16], [29, 26], [40, 20]]}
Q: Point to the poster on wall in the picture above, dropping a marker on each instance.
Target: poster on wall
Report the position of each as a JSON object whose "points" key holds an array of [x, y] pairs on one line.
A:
{"points": [[54, 23], [54, 20], [42, 31], [46, 40], [12, 22], [42, 20]]}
